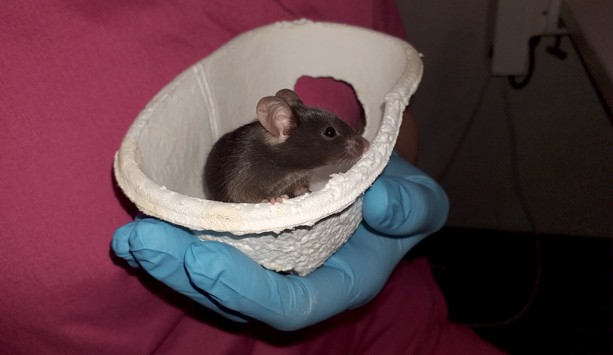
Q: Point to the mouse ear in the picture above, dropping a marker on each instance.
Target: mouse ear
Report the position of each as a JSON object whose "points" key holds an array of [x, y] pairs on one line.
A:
{"points": [[275, 116], [289, 96]]}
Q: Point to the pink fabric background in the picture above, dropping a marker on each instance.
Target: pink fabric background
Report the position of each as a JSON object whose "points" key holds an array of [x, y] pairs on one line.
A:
{"points": [[73, 76]]}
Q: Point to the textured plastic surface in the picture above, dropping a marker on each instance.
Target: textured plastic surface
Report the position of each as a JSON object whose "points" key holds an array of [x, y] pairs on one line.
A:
{"points": [[160, 162]]}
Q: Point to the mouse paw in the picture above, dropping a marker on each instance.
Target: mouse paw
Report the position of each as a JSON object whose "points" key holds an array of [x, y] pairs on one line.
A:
{"points": [[301, 191], [273, 200]]}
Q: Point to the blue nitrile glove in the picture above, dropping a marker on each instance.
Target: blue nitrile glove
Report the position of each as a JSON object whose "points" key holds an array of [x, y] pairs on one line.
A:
{"points": [[400, 209]]}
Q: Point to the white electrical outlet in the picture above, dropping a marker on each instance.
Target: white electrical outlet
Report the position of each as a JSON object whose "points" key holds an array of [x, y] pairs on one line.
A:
{"points": [[516, 22]]}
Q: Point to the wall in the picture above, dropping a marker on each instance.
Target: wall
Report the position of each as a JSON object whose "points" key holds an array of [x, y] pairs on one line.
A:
{"points": [[538, 159]]}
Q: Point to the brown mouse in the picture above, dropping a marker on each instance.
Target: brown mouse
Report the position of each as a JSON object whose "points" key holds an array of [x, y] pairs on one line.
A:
{"points": [[274, 157]]}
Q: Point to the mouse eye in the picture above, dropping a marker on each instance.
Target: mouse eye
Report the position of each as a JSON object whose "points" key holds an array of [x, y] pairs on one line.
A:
{"points": [[330, 132]]}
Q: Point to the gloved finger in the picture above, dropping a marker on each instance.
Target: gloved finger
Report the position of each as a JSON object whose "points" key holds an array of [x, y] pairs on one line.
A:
{"points": [[121, 245], [120, 242], [368, 258], [351, 277], [237, 282], [394, 206], [404, 201], [159, 248]]}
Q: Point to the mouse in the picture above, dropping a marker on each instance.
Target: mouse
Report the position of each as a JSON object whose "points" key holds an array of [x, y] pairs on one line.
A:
{"points": [[273, 157]]}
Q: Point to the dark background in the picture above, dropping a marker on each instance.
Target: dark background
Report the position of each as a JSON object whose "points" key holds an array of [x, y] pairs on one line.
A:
{"points": [[525, 293]]}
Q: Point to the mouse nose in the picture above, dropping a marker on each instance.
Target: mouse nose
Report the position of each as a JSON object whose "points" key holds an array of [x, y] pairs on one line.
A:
{"points": [[358, 146]]}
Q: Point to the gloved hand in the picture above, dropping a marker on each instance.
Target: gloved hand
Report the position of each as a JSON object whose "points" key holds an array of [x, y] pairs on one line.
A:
{"points": [[401, 208]]}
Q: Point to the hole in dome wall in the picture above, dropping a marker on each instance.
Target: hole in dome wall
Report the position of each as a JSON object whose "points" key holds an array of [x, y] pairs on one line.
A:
{"points": [[332, 95]]}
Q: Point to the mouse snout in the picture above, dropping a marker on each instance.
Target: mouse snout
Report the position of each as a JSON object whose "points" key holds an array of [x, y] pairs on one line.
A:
{"points": [[357, 147]]}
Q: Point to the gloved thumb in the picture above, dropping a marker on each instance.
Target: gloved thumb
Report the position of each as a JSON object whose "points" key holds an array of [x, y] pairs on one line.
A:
{"points": [[396, 206]]}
